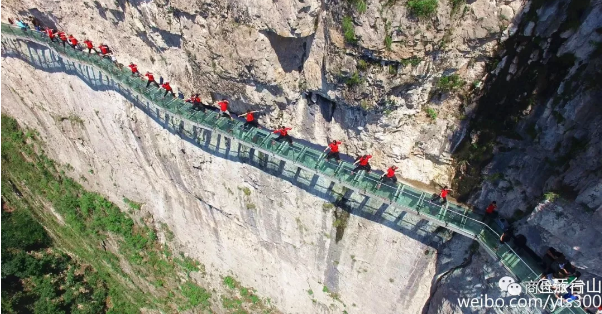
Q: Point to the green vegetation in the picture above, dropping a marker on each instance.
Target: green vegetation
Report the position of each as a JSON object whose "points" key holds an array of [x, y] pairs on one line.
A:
{"points": [[354, 80], [551, 196], [422, 8], [188, 264], [195, 295], [392, 70], [245, 301], [450, 83], [432, 113], [245, 190], [456, 5], [446, 38], [413, 61], [38, 279], [112, 259], [325, 289], [341, 218], [349, 30], [388, 42], [230, 282], [362, 65], [132, 204], [74, 119], [327, 206], [495, 177], [360, 6], [310, 292], [250, 206], [168, 234], [338, 222], [366, 105]]}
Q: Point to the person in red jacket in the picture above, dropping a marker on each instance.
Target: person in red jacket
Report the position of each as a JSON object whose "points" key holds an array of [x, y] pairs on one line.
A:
{"points": [[442, 195], [363, 164], [73, 42], [104, 50], [50, 33], [167, 89], [490, 212], [283, 135], [195, 100], [334, 151], [250, 119], [134, 69], [151, 79], [388, 176], [90, 46], [63, 37], [223, 109]]}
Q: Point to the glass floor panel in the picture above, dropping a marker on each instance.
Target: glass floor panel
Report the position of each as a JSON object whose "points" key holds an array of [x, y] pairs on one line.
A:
{"points": [[310, 158]]}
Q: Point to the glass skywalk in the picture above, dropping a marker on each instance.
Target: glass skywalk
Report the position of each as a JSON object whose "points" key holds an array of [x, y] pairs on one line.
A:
{"points": [[405, 197]]}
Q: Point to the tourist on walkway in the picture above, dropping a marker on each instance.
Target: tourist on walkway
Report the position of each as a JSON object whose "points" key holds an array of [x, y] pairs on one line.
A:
{"points": [[196, 102], [151, 79], [167, 89], [507, 235], [134, 69], [490, 212], [90, 46], [104, 50], [73, 42], [22, 25], [250, 120], [362, 164], [283, 135], [442, 195], [63, 37], [50, 33], [334, 151], [223, 109], [389, 176]]}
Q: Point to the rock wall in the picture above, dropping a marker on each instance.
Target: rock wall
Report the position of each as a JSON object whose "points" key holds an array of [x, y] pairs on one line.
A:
{"points": [[535, 136], [290, 60], [531, 128], [232, 217]]}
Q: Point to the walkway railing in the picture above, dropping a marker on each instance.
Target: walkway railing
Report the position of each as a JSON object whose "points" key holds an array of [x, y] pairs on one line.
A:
{"points": [[451, 216]]}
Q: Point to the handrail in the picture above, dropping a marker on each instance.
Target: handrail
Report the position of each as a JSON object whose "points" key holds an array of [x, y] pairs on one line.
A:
{"points": [[299, 151]]}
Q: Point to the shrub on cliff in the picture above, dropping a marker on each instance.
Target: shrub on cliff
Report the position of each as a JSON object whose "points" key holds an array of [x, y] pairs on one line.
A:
{"points": [[422, 8]]}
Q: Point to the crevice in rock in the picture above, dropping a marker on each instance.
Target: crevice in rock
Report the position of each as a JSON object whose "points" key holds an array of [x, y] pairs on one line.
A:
{"points": [[291, 52], [465, 263], [170, 39]]}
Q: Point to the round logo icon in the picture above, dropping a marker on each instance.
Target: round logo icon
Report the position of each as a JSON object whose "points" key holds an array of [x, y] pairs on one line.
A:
{"points": [[505, 282], [514, 289]]}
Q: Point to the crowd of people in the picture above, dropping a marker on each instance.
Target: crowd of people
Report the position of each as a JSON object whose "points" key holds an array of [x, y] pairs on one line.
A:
{"points": [[362, 161]]}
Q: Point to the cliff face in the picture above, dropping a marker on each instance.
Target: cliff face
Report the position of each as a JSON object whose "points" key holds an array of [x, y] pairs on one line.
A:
{"points": [[232, 217], [292, 61], [524, 123], [535, 140], [535, 136]]}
